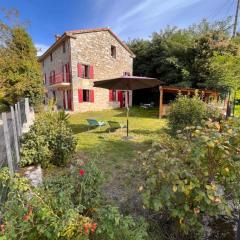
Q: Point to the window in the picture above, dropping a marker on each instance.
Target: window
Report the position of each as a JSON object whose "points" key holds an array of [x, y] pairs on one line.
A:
{"points": [[86, 95], [64, 47], [51, 58], [85, 71], [114, 94], [126, 74], [113, 51]]}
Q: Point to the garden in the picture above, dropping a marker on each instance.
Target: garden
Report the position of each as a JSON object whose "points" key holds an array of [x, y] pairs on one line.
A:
{"points": [[177, 178]]}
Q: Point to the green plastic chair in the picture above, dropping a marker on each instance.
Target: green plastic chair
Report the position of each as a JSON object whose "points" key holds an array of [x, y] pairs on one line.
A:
{"points": [[95, 123], [115, 125]]}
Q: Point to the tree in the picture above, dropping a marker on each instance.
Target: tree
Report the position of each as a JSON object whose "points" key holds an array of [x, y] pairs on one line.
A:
{"points": [[20, 74], [182, 56]]}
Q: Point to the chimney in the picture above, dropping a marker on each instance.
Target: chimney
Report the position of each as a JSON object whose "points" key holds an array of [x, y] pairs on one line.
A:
{"points": [[57, 37]]}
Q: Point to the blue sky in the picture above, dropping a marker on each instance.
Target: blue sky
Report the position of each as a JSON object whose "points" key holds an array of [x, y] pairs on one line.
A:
{"points": [[127, 18]]}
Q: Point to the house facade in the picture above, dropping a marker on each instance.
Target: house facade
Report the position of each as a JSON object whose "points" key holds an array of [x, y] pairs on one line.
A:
{"points": [[76, 60]]}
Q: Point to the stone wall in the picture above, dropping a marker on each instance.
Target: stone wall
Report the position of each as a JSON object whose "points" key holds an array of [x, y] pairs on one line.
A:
{"points": [[59, 58], [94, 49]]}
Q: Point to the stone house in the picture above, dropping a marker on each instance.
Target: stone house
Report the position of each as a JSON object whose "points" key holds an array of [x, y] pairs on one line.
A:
{"points": [[76, 60]]}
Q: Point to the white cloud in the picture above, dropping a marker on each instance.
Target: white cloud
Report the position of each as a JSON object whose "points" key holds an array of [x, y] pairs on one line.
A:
{"points": [[142, 15], [41, 48]]}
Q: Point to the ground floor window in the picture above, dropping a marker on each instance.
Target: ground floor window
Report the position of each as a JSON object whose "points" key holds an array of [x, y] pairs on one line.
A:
{"points": [[86, 95]]}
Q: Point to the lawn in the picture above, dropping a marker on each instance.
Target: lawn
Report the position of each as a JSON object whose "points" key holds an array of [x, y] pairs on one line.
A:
{"points": [[116, 156], [237, 109]]}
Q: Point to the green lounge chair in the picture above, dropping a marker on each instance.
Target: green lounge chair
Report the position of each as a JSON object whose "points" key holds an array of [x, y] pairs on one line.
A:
{"points": [[95, 123], [115, 125]]}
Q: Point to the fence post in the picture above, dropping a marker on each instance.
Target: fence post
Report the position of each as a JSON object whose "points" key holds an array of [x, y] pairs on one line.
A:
{"points": [[7, 143], [27, 109], [15, 135], [17, 120], [20, 118]]}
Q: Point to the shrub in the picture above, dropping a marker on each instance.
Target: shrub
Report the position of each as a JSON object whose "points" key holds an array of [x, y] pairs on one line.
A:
{"points": [[50, 140], [114, 226], [196, 177], [66, 207], [60, 209], [186, 111]]}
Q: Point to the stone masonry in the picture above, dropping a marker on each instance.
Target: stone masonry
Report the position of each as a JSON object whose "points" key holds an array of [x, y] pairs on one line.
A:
{"points": [[91, 48]]}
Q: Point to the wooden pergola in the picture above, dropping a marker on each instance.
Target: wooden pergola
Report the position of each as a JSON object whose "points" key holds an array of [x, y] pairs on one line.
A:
{"points": [[205, 93]]}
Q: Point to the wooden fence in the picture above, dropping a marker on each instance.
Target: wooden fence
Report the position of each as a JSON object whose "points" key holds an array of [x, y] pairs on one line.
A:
{"points": [[12, 125]]}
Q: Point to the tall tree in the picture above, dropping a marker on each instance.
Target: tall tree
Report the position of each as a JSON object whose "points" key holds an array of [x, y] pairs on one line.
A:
{"points": [[20, 74], [182, 56]]}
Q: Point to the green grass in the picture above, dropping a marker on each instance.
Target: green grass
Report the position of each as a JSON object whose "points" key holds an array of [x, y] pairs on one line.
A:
{"points": [[116, 155], [237, 109]]}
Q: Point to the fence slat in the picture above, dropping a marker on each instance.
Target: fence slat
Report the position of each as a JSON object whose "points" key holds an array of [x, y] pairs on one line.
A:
{"points": [[7, 143], [20, 118], [15, 135], [17, 120]]}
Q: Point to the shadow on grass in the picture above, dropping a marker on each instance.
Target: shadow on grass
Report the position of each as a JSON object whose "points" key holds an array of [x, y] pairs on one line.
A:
{"points": [[139, 112], [79, 128]]}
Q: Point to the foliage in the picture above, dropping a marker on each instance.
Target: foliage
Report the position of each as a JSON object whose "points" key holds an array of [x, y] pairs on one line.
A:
{"points": [[114, 226], [227, 70], [58, 210], [189, 111], [195, 175], [49, 140], [183, 56], [20, 74]]}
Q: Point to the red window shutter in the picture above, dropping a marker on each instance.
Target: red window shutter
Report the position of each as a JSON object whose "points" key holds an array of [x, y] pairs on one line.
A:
{"points": [[63, 73], [110, 95], [92, 96], [80, 95], [54, 77], [79, 68], [91, 72], [66, 71]]}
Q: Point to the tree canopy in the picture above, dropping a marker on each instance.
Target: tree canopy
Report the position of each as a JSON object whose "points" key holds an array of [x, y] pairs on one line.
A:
{"points": [[184, 57], [20, 74]]}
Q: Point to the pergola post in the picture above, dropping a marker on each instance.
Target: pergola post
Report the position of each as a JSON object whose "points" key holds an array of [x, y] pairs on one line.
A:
{"points": [[161, 102]]}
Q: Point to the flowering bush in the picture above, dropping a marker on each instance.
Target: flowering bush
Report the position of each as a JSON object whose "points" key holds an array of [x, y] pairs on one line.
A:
{"points": [[60, 209], [194, 175]]}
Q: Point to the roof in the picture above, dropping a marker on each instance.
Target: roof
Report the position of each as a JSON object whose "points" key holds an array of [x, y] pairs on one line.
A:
{"points": [[70, 34]]}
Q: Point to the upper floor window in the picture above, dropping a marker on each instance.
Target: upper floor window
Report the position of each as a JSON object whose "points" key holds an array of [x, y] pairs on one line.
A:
{"points": [[113, 51], [64, 47], [85, 72], [51, 58]]}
